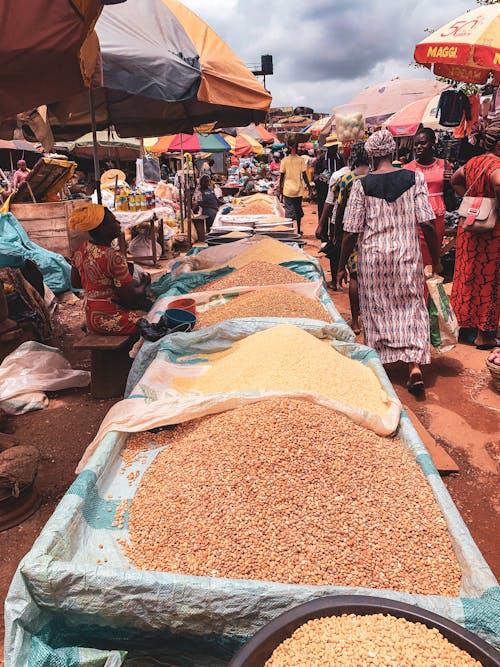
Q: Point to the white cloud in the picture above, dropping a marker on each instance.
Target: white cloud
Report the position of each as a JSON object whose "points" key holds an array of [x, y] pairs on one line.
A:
{"points": [[326, 51]]}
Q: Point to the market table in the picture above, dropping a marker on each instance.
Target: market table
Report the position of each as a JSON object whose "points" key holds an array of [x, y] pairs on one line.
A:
{"points": [[129, 219]]}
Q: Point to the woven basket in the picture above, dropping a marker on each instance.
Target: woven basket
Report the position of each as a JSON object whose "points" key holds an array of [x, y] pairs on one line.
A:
{"points": [[495, 375]]}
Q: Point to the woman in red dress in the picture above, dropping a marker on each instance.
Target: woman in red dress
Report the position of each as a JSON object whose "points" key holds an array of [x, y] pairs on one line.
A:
{"points": [[111, 296], [475, 296], [433, 170]]}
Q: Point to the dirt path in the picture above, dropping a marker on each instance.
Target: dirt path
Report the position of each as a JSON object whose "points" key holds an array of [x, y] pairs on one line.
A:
{"points": [[460, 410]]}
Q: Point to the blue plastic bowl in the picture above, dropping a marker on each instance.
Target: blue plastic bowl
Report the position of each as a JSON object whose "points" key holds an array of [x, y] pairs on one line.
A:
{"points": [[179, 320]]}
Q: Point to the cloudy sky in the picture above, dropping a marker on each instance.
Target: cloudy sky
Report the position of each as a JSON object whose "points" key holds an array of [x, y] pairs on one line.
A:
{"points": [[326, 51]]}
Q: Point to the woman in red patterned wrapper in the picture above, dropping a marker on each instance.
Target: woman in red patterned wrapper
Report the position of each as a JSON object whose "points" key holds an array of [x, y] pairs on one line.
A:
{"points": [[113, 301], [475, 296]]}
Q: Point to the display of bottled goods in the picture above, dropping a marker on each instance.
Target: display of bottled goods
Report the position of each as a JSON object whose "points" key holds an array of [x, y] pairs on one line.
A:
{"points": [[134, 201]]}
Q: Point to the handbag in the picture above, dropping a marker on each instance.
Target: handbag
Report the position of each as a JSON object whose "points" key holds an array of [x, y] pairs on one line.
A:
{"points": [[477, 214]]}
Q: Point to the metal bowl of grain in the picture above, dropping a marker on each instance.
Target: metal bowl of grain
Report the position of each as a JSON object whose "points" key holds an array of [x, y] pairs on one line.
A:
{"points": [[363, 629]]}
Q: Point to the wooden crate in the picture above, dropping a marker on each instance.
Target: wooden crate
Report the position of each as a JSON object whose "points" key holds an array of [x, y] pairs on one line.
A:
{"points": [[47, 224]]}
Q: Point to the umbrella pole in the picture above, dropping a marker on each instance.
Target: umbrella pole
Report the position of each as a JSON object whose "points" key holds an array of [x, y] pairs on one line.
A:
{"points": [[97, 173], [187, 195]]}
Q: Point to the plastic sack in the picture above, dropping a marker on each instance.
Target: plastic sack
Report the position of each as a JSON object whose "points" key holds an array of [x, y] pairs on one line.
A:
{"points": [[443, 321], [140, 247], [33, 368], [16, 247]]}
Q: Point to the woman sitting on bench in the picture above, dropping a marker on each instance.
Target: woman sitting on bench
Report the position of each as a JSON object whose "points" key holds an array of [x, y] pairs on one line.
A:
{"points": [[113, 301]]}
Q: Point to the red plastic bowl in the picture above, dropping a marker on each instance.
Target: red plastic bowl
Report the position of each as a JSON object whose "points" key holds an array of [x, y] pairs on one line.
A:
{"points": [[184, 304]]}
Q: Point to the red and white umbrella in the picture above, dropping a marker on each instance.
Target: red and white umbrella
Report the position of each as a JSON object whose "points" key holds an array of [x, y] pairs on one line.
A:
{"points": [[465, 49]]}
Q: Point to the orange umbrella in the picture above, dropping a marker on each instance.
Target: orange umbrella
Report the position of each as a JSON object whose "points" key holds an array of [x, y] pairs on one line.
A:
{"points": [[246, 145], [466, 48], [266, 137]]}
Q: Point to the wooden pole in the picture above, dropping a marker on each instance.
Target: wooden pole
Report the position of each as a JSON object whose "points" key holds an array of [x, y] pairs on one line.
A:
{"points": [[187, 194], [97, 171]]}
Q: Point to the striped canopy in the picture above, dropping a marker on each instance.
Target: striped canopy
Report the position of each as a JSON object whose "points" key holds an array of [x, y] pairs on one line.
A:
{"points": [[193, 143]]}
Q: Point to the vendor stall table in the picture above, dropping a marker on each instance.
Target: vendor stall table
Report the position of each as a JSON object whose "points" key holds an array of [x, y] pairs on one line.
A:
{"points": [[129, 219]]}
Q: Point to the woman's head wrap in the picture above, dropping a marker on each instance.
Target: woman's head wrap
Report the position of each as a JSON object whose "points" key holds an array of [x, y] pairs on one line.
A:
{"points": [[380, 143], [87, 217], [492, 135], [358, 154]]}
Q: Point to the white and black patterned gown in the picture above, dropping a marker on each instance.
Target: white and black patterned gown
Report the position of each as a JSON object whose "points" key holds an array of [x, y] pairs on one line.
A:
{"points": [[385, 210]]}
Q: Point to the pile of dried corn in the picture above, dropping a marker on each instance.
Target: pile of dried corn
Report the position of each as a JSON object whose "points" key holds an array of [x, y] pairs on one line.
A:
{"points": [[255, 274], [375, 640], [265, 303], [286, 358], [285, 490]]}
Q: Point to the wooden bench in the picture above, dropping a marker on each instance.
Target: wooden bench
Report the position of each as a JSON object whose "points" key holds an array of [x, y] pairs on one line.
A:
{"points": [[110, 363]]}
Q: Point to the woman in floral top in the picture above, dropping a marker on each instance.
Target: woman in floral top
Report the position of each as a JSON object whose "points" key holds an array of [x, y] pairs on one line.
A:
{"points": [[112, 300]]}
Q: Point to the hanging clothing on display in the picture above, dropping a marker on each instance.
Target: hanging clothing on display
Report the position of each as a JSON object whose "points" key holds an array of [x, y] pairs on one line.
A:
{"points": [[452, 105], [464, 128]]}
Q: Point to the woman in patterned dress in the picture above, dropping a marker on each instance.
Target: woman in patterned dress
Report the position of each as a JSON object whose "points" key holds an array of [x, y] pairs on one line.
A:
{"points": [[111, 296], [475, 296], [383, 214]]}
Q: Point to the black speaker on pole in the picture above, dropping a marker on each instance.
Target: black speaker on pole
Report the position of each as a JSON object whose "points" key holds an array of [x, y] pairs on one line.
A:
{"points": [[266, 64]]}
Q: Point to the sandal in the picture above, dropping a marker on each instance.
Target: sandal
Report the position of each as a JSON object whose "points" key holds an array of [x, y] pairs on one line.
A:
{"points": [[415, 384]]}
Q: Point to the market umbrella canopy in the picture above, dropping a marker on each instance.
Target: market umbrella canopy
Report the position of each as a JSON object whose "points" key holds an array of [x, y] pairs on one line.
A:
{"points": [[193, 143], [170, 73], [257, 132], [48, 51], [109, 145], [245, 145], [18, 145], [407, 121], [384, 99], [465, 49]]}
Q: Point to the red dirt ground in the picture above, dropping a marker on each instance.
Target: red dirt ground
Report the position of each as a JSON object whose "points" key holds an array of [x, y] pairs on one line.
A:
{"points": [[460, 411]]}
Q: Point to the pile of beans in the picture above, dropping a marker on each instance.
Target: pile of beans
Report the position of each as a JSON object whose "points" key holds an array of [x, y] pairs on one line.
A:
{"points": [[255, 274], [374, 640], [265, 303], [286, 490], [286, 358]]}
